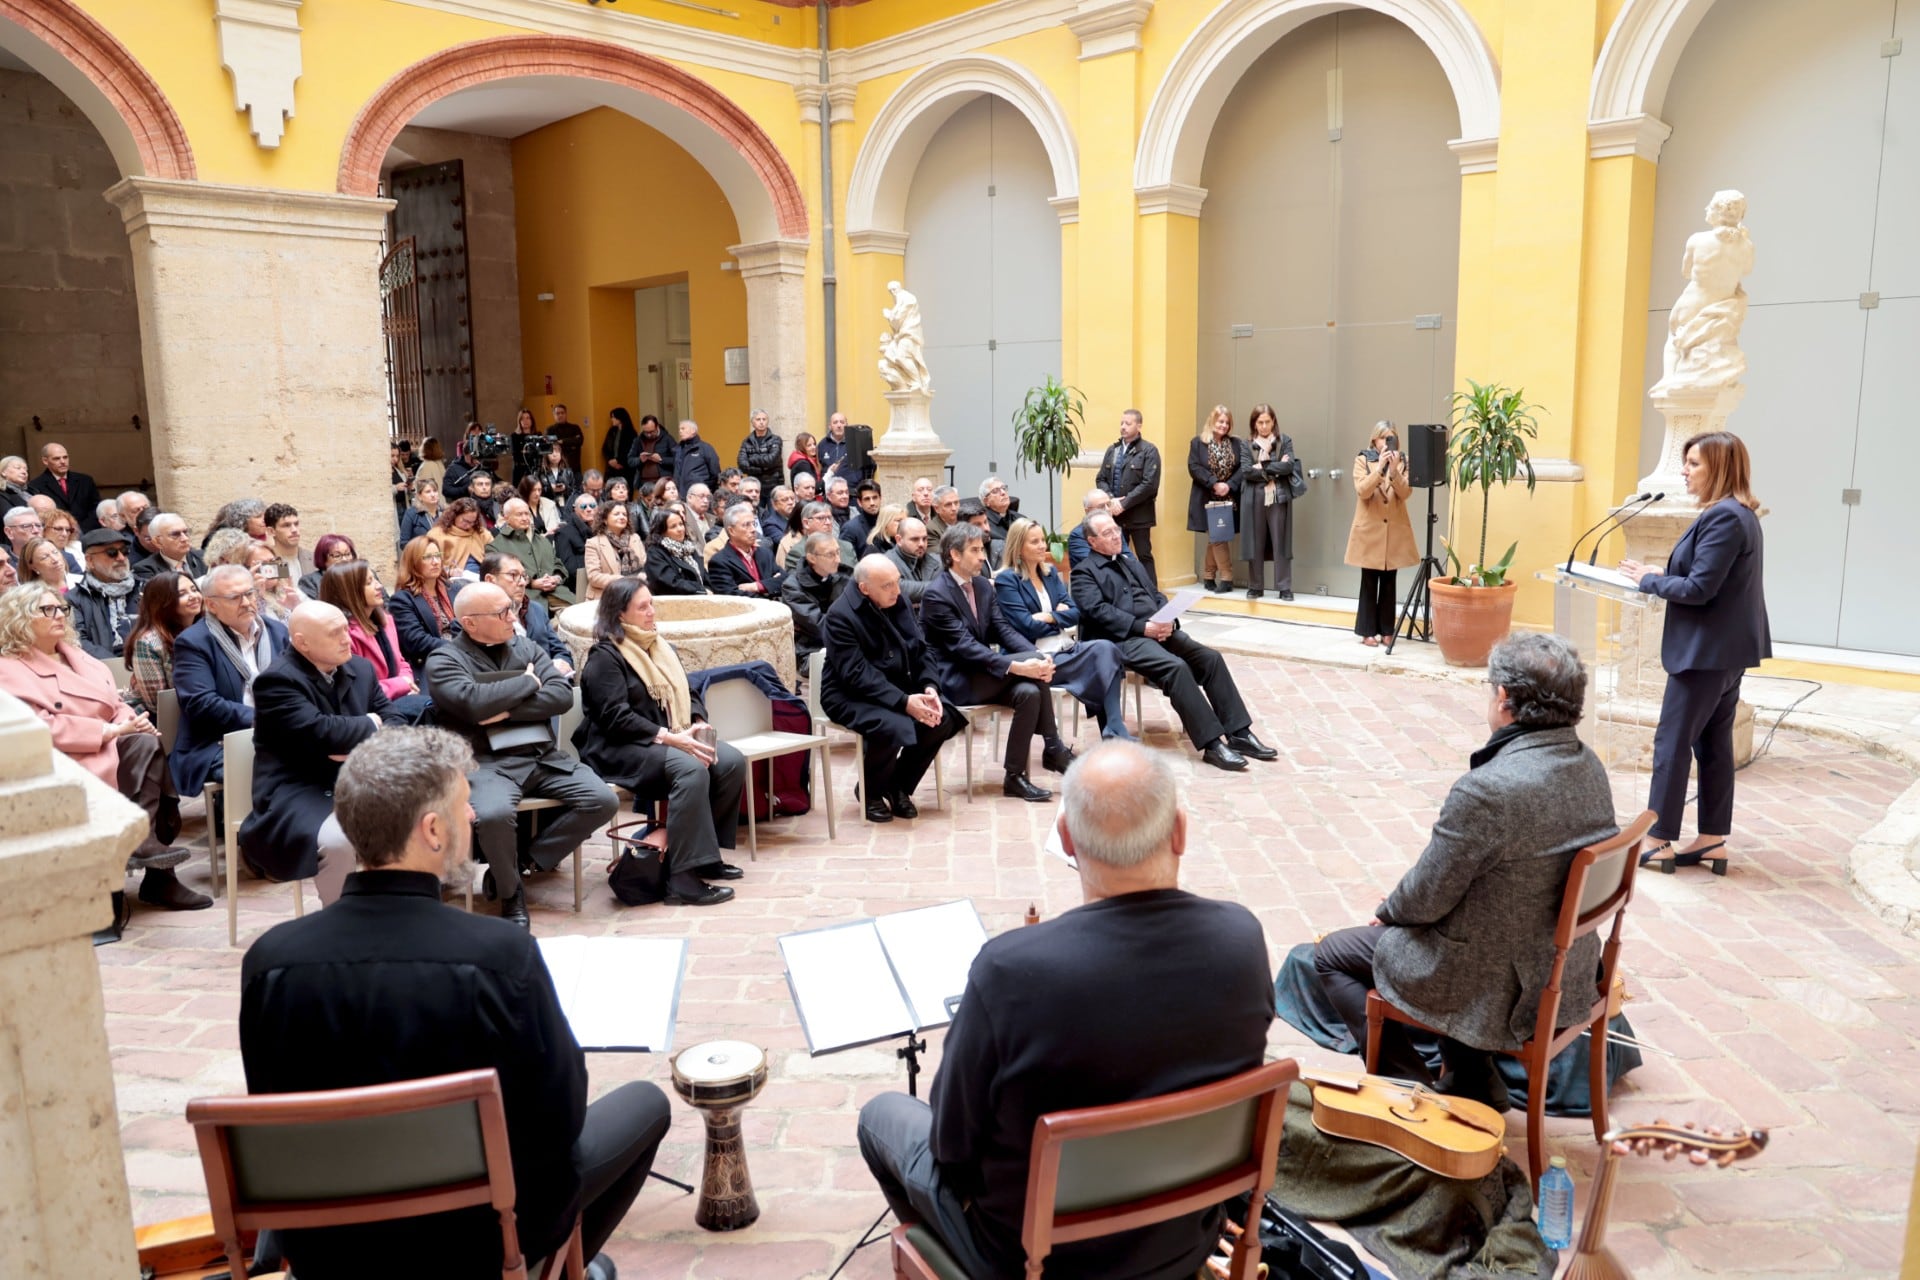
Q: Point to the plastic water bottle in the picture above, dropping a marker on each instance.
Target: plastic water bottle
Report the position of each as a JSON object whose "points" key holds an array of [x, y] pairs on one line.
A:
{"points": [[1556, 1204]]}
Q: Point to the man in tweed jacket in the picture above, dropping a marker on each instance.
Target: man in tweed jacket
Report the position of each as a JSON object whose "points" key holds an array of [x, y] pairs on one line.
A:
{"points": [[1464, 943]]}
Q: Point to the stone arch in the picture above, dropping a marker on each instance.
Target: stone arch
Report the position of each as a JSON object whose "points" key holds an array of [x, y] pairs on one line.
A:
{"points": [[883, 172], [757, 180], [1636, 62], [103, 79], [1173, 141]]}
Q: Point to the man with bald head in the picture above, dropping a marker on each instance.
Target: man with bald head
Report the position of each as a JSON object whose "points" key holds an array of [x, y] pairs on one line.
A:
{"points": [[876, 683], [70, 490], [547, 581], [311, 706], [1143, 990], [501, 691]]}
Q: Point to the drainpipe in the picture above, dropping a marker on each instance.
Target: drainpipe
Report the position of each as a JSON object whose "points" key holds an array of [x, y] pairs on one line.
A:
{"points": [[827, 281]]}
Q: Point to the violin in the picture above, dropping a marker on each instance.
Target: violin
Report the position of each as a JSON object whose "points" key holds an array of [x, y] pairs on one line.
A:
{"points": [[1453, 1137]]}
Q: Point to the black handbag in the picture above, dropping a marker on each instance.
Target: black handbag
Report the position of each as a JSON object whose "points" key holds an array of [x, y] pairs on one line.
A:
{"points": [[638, 873]]}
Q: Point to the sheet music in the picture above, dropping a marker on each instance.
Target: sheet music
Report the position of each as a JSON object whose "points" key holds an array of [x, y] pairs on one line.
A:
{"points": [[1181, 601], [618, 993], [843, 986], [932, 948]]}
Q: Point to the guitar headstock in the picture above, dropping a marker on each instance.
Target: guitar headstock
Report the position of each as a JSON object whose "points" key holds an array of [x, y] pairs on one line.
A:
{"points": [[1708, 1146]]}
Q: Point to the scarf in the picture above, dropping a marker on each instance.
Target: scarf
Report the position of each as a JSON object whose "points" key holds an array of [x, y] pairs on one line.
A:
{"points": [[658, 667], [685, 550], [119, 598], [440, 602], [263, 654], [1222, 459], [456, 548], [1264, 449], [631, 559]]}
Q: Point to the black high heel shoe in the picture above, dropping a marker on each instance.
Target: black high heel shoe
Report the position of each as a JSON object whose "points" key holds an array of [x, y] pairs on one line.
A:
{"points": [[1691, 858]]}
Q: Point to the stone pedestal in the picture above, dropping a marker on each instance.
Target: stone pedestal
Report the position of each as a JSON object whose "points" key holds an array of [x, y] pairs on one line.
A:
{"points": [[64, 841], [260, 331], [909, 449], [1688, 413]]}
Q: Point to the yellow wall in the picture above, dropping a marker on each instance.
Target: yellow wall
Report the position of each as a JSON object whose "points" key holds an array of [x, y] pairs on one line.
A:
{"points": [[606, 205]]}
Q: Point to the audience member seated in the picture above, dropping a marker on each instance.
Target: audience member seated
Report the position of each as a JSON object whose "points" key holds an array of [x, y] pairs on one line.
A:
{"points": [[279, 593], [914, 558], [462, 538], [637, 732], [23, 524], [974, 512], [508, 721], [173, 549], [248, 515], [63, 531], [865, 519], [570, 543], [815, 517], [543, 513], [42, 562], [317, 702], [1464, 943], [106, 600], [946, 509], [283, 535], [330, 550], [698, 509], [744, 567], [616, 550], [839, 499], [432, 466], [1143, 990], [70, 490], [1095, 501], [13, 482], [676, 565], [1117, 601], [422, 604], [773, 521], [215, 662], [530, 616], [976, 658], [108, 516], [877, 683], [409, 975], [519, 537], [999, 504], [226, 546], [355, 590], [810, 591], [1034, 600], [169, 604], [8, 577], [74, 696], [417, 520]]}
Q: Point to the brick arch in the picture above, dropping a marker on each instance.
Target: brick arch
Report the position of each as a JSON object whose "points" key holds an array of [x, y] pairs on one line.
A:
{"points": [[107, 83], [478, 62]]}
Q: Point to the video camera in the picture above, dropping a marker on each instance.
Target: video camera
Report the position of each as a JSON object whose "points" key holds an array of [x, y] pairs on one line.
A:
{"points": [[488, 445]]}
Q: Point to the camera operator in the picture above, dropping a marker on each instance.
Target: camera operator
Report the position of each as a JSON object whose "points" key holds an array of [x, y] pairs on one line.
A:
{"points": [[1381, 542]]}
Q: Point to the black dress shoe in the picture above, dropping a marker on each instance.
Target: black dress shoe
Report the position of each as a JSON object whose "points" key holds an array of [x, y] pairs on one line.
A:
{"points": [[1286, 595], [1479, 1081], [163, 889], [903, 805], [1207, 583], [1248, 745], [514, 910], [1056, 759], [719, 871], [118, 926], [1017, 787], [1254, 593], [1221, 756], [878, 812], [698, 893]]}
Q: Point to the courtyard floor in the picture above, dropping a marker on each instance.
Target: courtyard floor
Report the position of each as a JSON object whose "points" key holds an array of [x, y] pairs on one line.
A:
{"points": [[1772, 998]]}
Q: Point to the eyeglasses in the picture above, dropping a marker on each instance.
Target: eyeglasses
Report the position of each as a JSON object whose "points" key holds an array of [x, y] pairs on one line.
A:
{"points": [[515, 575], [499, 614], [111, 551], [586, 506], [239, 598], [55, 611]]}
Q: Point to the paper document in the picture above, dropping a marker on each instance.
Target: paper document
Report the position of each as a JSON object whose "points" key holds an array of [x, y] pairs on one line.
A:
{"points": [[843, 987], [932, 949], [1181, 602], [618, 993], [1610, 577]]}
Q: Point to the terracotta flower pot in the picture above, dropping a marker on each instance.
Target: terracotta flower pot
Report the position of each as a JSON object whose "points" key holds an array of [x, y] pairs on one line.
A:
{"points": [[1469, 621]]}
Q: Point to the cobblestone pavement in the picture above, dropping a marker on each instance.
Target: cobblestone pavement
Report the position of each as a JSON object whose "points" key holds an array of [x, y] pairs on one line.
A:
{"points": [[1776, 998]]}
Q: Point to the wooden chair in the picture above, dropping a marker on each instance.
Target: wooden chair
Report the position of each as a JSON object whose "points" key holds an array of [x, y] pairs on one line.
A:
{"points": [[743, 717], [237, 749], [1599, 886], [816, 663], [1103, 1170], [294, 1160]]}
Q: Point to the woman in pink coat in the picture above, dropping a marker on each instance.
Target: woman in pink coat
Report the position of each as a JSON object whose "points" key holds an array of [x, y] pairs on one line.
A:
{"points": [[354, 590], [73, 693]]}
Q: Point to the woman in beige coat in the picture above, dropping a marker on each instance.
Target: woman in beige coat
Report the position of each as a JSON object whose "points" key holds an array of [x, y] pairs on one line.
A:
{"points": [[1381, 542], [616, 549]]}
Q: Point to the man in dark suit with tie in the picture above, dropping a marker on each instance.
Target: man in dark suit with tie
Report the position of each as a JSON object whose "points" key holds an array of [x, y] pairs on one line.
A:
{"points": [[1117, 601], [72, 491], [176, 553], [971, 652], [1130, 472], [744, 567]]}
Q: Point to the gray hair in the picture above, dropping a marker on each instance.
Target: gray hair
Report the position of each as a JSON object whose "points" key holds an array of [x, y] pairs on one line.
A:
{"points": [[228, 546], [20, 515], [820, 542], [101, 507], [591, 473], [211, 581], [1545, 683], [155, 527], [699, 488], [781, 489], [1094, 520], [139, 497], [943, 492], [511, 503], [738, 512], [988, 485], [584, 496], [838, 482], [814, 509], [1095, 498], [390, 782], [868, 565], [10, 459], [1119, 802], [955, 539]]}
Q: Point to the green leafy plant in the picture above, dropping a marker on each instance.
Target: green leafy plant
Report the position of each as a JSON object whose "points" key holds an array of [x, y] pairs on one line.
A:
{"points": [[1491, 427], [1046, 435]]}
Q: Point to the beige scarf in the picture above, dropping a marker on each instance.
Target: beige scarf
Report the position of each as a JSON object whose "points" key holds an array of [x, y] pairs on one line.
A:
{"points": [[658, 667]]}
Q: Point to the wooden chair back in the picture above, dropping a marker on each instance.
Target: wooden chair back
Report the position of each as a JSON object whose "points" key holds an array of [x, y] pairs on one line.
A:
{"points": [[1599, 886]]}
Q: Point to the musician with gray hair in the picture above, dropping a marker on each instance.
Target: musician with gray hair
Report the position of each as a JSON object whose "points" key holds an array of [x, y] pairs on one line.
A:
{"points": [[1464, 942], [1073, 1013]]}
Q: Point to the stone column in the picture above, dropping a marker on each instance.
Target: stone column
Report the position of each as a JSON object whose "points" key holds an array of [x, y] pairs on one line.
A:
{"points": [[260, 330], [909, 449], [64, 841], [775, 272]]}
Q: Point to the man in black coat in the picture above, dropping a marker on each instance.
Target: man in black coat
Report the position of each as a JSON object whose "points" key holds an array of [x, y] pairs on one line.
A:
{"points": [[971, 651], [106, 600], [428, 990], [762, 455], [1117, 601], [917, 562], [1071, 1013], [72, 491], [1130, 471], [876, 683], [176, 553], [810, 591], [570, 540], [311, 706], [694, 461], [744, 567]]}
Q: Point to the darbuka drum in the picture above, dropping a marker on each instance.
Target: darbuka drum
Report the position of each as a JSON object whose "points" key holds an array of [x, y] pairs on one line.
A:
{"points": [[717, 1079]]}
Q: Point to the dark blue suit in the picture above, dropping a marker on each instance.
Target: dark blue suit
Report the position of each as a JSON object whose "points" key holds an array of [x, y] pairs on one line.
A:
{"points": [[1019, 602], [727, 571], [539, 625], [212, 696], [1716, 628], [419, 631]]}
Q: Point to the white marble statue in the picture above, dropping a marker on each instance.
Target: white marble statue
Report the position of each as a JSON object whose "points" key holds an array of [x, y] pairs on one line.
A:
{"points": [[1703, 333], [902, 363]]}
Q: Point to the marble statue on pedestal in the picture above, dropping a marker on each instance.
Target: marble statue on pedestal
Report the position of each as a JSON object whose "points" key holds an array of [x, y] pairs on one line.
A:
{"points": [[1703, 332], [902, 347], [909, 448]]}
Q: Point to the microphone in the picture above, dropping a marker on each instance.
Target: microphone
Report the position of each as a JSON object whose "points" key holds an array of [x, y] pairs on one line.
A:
{"points": [[1574, 550], [1624, 518]]}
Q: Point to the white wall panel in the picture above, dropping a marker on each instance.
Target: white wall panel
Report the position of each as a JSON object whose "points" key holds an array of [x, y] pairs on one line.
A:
{"points": [[1879, 609]]}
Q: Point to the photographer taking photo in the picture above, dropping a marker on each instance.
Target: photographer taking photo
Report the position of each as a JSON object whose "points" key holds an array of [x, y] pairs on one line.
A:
{"points": [[1381, 542]]}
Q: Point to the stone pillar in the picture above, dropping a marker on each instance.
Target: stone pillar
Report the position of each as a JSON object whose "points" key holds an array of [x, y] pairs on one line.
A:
{"points": [[909, 449], [775, 272], [64, 841], [260, 331], [1688, 414]]}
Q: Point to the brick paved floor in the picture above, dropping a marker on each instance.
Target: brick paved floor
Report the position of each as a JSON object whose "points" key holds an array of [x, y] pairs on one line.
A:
{"points": [[1779, 999]]}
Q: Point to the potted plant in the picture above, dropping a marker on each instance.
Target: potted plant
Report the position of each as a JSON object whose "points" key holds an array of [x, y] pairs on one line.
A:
{"points": [[1046, 437], [1473, 607]]}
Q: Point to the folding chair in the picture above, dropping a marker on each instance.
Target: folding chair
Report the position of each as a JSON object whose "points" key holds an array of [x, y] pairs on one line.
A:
{"points": [[237, 749], [743, 717]]}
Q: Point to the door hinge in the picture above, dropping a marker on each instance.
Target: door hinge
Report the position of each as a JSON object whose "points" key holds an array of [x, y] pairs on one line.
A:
{"points": [[1849, 497], [1890, 48]]}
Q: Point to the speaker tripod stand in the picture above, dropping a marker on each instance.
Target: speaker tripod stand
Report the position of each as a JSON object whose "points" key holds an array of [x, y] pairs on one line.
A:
{"points": [[1416, 612]]}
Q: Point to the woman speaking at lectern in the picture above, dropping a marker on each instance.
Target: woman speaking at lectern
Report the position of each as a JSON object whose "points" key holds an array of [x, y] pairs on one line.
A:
{"points": [[1716, 628]]}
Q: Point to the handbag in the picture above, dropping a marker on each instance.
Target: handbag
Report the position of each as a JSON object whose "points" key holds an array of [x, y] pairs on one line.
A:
{"points": [[1220, 522], [638, 873]]}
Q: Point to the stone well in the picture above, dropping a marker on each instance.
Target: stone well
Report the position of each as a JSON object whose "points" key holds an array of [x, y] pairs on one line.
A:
{"points": [[706, 631]]}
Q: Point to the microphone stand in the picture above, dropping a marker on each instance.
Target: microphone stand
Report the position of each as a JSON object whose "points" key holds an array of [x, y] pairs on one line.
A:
{"points": [[1611, 516], [1624, 516]]}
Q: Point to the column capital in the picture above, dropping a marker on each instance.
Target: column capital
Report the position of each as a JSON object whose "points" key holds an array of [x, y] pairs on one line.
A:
{"points": [[260, 48], [1640, 135], [148, 204], [1170, 197], [1476, 155], [771, 258], [840, 94], [876, 240], [1108, 26]]}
